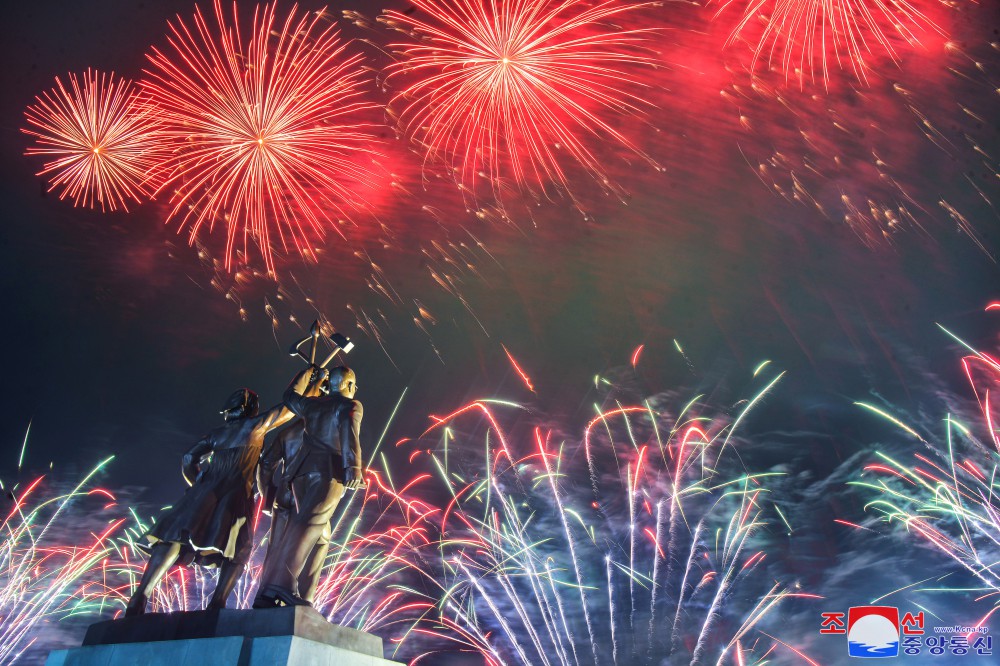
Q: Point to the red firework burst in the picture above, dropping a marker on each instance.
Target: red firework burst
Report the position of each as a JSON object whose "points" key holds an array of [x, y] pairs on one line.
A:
{"points": [[514, 88], [266, 129], [798, 35], [99, 136]]}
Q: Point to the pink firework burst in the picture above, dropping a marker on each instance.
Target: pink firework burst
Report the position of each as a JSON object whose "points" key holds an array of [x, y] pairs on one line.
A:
{"points": [[266, 129], [98, 135], [801, 36], [516, 89]]}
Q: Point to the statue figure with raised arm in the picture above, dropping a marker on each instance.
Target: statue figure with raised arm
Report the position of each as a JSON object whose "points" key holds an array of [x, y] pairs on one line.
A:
{"points": [[306, 470], [211, 524]]}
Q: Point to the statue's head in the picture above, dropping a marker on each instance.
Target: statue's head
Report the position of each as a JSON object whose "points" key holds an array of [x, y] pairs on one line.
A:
{"points": [[343, 381], [241, 404]]}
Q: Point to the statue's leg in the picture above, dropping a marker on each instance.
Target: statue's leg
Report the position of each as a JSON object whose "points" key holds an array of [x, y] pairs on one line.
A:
{"points": [[231, 570], [161, 559], [229, 574], [275, 540], [309, 578], [316, 498]]}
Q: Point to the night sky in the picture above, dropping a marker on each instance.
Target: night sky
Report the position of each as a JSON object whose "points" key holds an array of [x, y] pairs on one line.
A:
{"points": [[117, 341]]}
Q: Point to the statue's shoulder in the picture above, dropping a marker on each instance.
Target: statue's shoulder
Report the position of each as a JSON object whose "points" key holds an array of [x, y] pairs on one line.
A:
{"points": [[346, 405], [355, 408], [233, 433]]}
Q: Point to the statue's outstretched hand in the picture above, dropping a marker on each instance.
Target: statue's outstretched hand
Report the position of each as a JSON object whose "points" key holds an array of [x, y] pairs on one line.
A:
{"points": [[354, 479]]}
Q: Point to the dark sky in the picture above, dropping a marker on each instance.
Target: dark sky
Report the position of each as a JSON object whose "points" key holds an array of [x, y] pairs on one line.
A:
{"points": [[116, 341]]}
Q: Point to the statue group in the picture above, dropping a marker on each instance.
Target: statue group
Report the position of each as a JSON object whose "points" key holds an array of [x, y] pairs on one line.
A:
{"points": [[301, 476]]}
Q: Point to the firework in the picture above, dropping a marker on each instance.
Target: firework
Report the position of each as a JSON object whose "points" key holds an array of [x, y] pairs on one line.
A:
{"points": [[515, 91], [640, 567], [803, 36], [266, 129], [946, 496], [41, 576], [99, 137]]}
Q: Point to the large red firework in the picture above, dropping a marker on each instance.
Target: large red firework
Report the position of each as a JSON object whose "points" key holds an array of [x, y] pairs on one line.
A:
{"points": [[515, 89], [99, 137], [267, 130], [803, 36]]}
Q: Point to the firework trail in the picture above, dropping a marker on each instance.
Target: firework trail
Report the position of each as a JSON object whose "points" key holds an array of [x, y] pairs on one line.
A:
{"points": [[803, 36], [946, 496], [265, 129], [649, 563], [42, 578], [99, 136], [513, 93]]}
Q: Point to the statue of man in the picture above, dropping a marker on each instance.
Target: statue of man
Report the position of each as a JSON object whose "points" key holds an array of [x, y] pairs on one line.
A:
{"points": [[285, 453], [322, 458], [211, 525]]}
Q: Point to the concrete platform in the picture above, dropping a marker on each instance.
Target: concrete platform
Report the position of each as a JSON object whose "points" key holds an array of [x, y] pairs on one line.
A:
{"points": [[294, 636]]}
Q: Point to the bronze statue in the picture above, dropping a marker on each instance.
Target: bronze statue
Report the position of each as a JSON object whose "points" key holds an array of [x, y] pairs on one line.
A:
{"points": [[279, 503], [211, 524], [321, 453]]}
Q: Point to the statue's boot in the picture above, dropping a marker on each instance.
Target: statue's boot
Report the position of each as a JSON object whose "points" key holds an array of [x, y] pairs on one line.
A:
{"points": [[273, 596], [265, 600], [136, 605]]}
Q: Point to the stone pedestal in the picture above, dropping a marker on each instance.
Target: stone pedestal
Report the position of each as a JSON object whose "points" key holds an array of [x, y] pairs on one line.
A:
{"points": [[292, 636]]}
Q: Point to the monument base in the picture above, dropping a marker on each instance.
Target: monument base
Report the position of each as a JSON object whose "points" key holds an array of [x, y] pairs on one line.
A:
{"points": [[293, 636]]}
